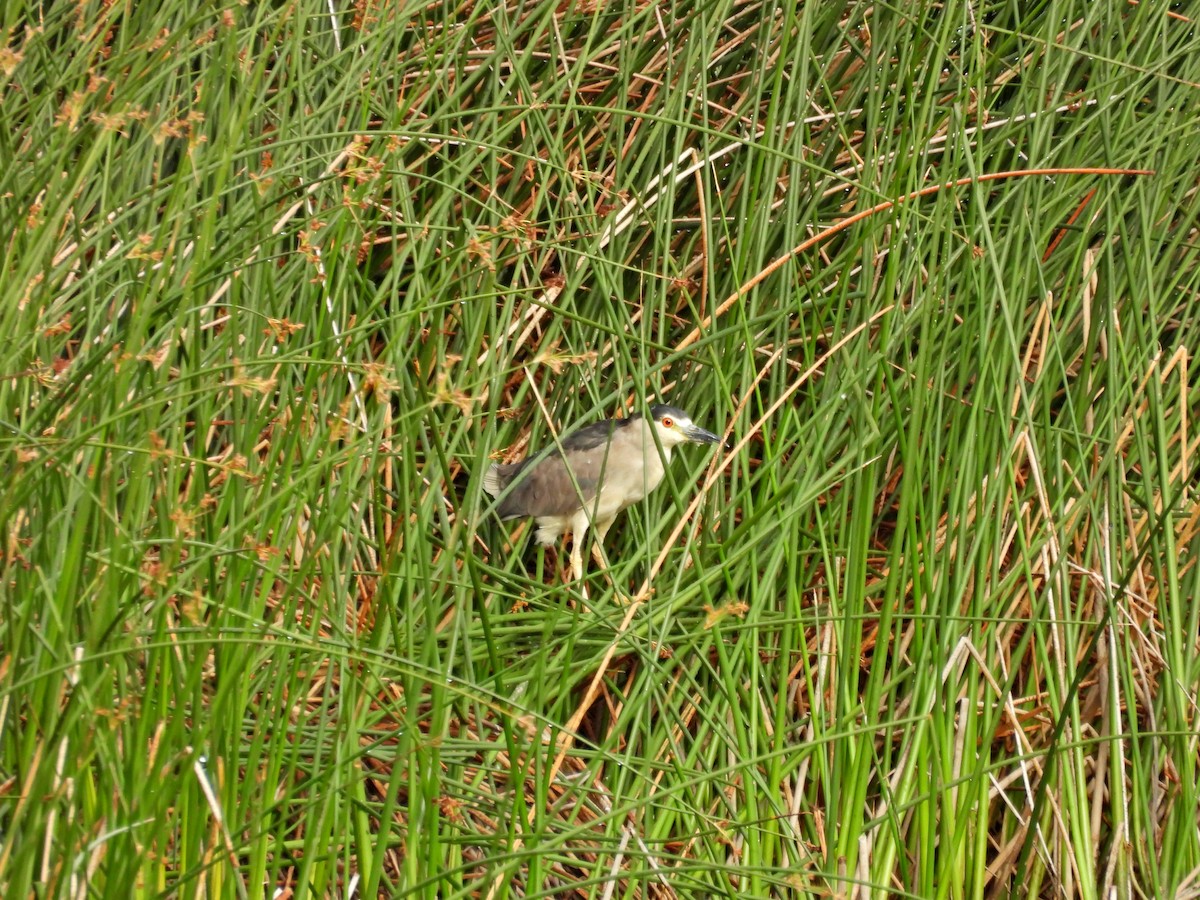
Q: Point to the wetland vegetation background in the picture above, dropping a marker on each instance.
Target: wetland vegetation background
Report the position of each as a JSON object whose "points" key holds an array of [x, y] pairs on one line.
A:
{"points": [[280, 280]]}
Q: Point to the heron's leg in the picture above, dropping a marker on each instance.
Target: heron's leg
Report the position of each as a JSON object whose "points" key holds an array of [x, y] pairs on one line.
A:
{"points": [[601, 530], [579, 527], [549, 540]]}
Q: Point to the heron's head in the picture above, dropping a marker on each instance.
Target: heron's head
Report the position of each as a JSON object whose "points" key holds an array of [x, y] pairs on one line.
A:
{"points": [[675, 427]]}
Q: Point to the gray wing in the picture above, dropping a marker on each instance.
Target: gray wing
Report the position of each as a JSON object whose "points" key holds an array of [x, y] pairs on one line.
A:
{"points": [[591, 436], [543, 486]]}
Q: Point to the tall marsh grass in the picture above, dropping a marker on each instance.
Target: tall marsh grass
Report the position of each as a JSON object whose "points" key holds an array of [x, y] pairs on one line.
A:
{"points": [[281, 280]]}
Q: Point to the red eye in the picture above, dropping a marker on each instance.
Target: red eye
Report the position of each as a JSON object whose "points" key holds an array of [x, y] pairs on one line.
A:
{"points": [[668, 422]]}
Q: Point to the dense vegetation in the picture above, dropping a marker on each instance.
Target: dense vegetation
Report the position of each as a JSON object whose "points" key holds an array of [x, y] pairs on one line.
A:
{"points": [[280, 281]]}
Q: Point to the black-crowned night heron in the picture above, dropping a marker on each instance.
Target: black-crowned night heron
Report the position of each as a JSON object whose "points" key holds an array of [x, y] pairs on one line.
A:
{"points": [[600, 470]]}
